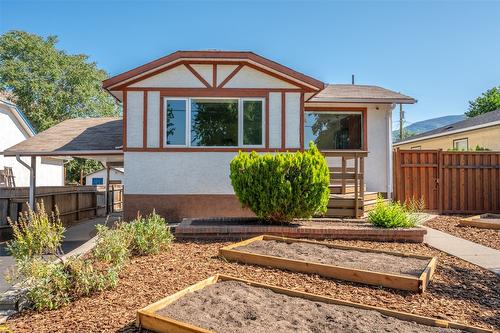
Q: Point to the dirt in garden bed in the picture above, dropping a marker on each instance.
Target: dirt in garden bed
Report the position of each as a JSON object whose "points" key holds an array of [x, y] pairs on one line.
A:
{"points": [[449, 224], [317, 253], [231, 306], [459, 291]]}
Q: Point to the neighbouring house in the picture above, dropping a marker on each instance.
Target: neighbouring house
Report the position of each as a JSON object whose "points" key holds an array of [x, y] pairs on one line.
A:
{"points": [[482, 131], [15, 128], [186, 115], [99, 177]]}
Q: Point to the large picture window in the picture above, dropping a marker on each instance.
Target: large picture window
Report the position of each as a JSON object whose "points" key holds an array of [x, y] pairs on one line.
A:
{"points": [[334, 130], [214, 122]]}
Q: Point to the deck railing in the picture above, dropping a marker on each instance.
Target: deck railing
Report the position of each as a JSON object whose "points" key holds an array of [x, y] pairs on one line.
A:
{"points": [[351, 171]]}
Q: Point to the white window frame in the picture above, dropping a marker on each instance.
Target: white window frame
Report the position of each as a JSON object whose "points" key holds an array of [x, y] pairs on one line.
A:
{"points": [[340, 112], [188, 101], [466, 140]]}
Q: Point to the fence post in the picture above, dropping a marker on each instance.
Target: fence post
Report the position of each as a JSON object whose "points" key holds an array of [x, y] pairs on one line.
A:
{"points": [[439, 184]]}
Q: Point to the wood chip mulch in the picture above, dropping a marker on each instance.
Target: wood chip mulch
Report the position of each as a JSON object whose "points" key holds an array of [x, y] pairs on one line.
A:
{"points": [[459, 291], [449, 224]]}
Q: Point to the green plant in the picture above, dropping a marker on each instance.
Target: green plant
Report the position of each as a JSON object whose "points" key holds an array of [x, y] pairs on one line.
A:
{"points": [[283, 186], [112, 245], [391, 215], [36, 233], [87, 276], [415, 205], [150, 235]]}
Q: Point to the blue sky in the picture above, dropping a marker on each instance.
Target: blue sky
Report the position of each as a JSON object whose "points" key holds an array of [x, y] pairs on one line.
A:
{"points": [[443, 53]]}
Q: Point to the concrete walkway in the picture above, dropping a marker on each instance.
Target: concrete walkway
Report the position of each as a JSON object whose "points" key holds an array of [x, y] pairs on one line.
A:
{"points": [[474, 253]]}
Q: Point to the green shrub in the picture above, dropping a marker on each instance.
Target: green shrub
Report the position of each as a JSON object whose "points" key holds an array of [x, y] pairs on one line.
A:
{"points": [[150, 235], [87, 276], [283, 186], [391, 215], [36, 233], [112, 245]]}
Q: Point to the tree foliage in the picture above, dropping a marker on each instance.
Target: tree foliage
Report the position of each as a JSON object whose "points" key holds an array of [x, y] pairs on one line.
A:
{"points": [[487, 102], [283, 186], [77, 165]]}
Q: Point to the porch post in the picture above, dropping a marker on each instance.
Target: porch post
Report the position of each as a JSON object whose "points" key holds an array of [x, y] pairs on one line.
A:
{"points": [[107, 190], [32, 189]]}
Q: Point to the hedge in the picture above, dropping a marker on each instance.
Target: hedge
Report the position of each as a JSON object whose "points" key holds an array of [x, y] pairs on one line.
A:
{"points": [[283, 186]]}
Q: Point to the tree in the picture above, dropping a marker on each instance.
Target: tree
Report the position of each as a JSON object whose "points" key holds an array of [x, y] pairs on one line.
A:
{"points": [[487, 102], [50, 85]]}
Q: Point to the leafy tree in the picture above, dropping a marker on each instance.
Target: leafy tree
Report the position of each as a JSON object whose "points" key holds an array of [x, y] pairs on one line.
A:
{"points": [[50, 85], [77, 165], [487, 102]]}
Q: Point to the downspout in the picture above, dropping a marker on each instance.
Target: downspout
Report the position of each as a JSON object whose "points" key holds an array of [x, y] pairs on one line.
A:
{"points": [[32, 169], [389, 151]]}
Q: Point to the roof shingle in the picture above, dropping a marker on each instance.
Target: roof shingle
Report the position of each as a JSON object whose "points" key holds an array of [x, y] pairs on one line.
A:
{"points": [[360, 93]]}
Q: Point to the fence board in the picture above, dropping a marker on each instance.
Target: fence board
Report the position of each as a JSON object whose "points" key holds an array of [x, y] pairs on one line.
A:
{"points": [[449, 182]]}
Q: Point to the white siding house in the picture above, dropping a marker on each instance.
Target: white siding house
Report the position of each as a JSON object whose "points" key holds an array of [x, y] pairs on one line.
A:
{"points": [[99, 177], [14, 128]]}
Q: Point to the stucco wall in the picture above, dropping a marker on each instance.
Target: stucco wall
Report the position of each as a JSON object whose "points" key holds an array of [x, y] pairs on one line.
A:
{"points": [[488, 137]]}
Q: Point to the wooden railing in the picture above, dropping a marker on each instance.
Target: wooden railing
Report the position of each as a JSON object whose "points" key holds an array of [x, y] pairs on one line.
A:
{"points": [[351, 171]]}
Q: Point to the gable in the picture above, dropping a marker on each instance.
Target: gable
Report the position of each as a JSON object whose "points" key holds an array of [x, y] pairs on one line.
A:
{"points": [[252, 78], [177, 77]]}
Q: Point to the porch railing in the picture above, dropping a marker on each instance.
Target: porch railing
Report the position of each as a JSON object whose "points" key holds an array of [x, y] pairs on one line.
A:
{"points": [[350, 172]]}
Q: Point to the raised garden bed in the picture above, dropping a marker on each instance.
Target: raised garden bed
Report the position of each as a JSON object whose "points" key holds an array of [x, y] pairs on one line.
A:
{"points": [[484, 221], [241, 228], [375, 267], [227, 304]]}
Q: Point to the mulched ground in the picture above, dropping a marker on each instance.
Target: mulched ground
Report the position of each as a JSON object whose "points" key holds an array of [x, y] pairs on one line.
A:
{"points": [[459, 291], [449, 224]]}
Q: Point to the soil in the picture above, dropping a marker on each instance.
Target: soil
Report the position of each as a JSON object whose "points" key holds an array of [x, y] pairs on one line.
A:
{"points": [[231, 306], [459, 291], [370, 261], [449, 224]]}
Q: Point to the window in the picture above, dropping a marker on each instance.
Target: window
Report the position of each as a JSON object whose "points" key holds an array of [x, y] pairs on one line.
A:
{"points": [[176, 122], [97, 181], [334, 130], [461, 144], [214, 122], [416, 148]]}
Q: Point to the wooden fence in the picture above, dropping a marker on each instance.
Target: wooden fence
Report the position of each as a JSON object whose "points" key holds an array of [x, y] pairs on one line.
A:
{"points": [[73, 202], [449, 182]]}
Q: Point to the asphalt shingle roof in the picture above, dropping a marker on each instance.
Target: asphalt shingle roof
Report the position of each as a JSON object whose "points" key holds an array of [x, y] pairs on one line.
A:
{"points": [[360, 93]]}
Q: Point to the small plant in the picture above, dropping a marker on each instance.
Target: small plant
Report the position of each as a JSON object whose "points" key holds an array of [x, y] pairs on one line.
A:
{"points": [[391, 215], [283, 186], [150, 235], [113, 245], [87, 276], [36, 233], [415, 205]]}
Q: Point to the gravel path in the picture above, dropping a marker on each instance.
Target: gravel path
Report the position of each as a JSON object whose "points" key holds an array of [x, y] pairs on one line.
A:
{"points": [[376, 262], [228, 307], [449, 224], [459, 291]]}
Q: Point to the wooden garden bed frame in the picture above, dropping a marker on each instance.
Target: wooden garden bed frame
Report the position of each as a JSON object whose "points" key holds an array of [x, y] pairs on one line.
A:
{"points": [[481, 222], [149, 319], [390, 280]]}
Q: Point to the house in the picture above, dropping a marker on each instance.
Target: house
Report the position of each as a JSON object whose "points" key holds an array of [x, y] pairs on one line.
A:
{"points": [[186, 115], [15, 128], [482, 131], [99, 177]]}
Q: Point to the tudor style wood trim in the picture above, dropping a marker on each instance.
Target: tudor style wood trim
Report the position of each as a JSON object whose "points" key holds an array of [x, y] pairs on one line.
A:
{"points": [[214, 75], [124, 122], [364, 112], [230, 90], [162, 122], [302, 115], [267, 120], [211, 150], [145, 121], [230, 76], [198, 76], [283, 120]]}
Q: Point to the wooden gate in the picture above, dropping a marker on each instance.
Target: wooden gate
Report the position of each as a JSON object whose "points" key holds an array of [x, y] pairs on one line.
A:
{"points": [[449, 182]]}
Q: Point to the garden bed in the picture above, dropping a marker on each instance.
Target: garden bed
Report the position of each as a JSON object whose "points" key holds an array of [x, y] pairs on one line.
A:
{"points": [[241, 228], [450, 224], [485, 221], [227, 304], [459, 292], [375, 267]]}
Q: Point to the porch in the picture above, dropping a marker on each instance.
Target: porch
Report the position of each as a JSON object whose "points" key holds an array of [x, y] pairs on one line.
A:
{"points": [[348, 195]]}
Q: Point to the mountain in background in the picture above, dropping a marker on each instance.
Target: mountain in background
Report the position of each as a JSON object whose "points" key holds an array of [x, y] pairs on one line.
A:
{"points": [[429, 124]]}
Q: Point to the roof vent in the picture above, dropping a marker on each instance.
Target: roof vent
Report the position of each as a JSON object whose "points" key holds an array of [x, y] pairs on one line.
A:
{"points": [[448, 127]]}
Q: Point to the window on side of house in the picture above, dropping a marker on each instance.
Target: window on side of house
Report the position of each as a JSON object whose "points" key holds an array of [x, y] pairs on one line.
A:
{"points": [[214, 122], [97, 181], [334, 130], [461, 144]]}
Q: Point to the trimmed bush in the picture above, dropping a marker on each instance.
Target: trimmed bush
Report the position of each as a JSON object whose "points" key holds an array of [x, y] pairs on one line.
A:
{"points": [[391, 215], [283, 186]]}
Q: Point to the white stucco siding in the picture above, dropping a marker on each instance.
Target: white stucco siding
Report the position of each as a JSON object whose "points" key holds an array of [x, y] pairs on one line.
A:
{"points": [[135, 116], [50, 172], [206, 72], [177, 77], [248, 77], [178, 173], [292, 120], [275, 120], [223, 72], [153, 119]]}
